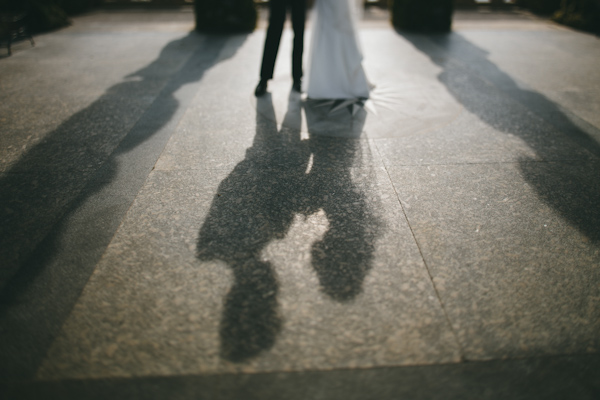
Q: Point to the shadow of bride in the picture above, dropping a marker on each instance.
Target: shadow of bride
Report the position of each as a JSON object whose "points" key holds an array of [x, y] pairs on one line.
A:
{"points": [[283, 176], [342, 258]]}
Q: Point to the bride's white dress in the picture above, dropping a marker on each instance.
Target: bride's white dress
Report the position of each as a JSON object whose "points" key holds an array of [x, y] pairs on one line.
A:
{"points": [[335, 68]]}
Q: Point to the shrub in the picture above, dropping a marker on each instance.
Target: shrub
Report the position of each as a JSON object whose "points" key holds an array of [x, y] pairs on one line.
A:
{"points": [[422, 15], [225, 15], [77, 6], [47, 14], [541, 6], [580, 14]]}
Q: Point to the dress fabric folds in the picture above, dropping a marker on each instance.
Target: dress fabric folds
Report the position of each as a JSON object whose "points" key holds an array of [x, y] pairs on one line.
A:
{"points": [[335, 68]]}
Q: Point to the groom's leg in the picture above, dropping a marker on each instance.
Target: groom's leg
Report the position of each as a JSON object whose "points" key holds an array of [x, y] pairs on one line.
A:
{"points": [[276, 21], [298, 22]]}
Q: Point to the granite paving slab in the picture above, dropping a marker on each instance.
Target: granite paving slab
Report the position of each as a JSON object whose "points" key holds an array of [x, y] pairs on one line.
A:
{"points": [[34, 305], [570, 76], [295, 257], [491, 62], [513, 252], [281, 276], [493, 96], [59, 213], [58, 90], [466, 140], [31, 203], [279, 143], [49, 160]]}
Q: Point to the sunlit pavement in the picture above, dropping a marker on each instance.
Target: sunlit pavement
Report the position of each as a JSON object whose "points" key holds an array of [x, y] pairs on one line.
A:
{"points": [[167, 235]]}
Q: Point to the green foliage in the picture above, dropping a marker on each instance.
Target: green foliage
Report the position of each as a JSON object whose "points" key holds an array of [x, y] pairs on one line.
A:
{"points": [[422, 15], [541, 6], [47, 14], [225, 15], [77, 6], [580, 14]]}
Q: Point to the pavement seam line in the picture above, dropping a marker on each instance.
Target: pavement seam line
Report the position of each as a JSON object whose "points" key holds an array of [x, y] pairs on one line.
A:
{"points": [[460, 348], [453, 164]]}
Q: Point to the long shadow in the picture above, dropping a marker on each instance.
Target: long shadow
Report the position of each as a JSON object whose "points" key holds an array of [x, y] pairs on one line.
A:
{"points": [[57, 208], [283, 176], [567, 180], [342, 258]]}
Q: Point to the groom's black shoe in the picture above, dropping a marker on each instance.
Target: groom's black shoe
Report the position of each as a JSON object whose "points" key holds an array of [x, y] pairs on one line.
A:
{"points": [[261, 88], [297, 86]]}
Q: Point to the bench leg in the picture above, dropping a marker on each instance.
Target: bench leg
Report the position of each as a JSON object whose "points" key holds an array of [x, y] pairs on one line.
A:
{"points": [[27, 34]]}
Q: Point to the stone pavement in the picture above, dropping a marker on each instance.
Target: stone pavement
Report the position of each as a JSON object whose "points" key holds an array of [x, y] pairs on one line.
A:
{"points": [[167, 235]]}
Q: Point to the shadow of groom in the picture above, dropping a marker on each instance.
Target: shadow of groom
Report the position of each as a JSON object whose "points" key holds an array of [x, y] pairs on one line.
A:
{"points": [[283, 176]]}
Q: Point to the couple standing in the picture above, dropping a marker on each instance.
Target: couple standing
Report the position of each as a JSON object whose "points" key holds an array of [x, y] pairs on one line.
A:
{"points": [[335, 59]]}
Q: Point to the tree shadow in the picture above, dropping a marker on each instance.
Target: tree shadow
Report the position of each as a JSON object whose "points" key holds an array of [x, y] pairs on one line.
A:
{"points": [[566, 178], [283, 176], [43, 192]]}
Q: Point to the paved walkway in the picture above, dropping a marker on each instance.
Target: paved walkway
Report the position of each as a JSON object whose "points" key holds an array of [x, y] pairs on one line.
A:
{"points": [[167, 235]]}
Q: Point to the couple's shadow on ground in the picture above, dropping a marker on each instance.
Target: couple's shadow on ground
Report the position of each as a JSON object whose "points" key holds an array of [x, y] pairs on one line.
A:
{"points": [[284, 175]]}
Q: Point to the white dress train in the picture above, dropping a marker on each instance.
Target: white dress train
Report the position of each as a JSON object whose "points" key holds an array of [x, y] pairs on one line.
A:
{"points": [[335, 68]]}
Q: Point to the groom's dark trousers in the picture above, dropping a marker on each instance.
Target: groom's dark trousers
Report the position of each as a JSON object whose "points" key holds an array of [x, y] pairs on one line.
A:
{"points": [[276, 20]]}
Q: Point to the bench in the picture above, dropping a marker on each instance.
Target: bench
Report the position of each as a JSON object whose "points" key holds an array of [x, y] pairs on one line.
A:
{"points": [[13, 27]]}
